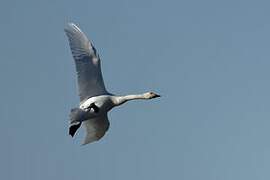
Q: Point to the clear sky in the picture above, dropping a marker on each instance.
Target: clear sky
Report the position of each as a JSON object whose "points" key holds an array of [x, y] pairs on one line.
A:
{"points": [[208, 59]]}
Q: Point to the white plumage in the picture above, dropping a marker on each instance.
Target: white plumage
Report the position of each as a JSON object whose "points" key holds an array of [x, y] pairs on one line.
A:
{"points": [[95, 101]]}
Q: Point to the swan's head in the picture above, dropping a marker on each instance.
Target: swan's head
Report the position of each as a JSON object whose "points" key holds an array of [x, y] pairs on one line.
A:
{"points": [[151, 95]]}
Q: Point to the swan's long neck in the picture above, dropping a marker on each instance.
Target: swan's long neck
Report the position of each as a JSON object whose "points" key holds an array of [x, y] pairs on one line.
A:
{"points": [[122, 99]]}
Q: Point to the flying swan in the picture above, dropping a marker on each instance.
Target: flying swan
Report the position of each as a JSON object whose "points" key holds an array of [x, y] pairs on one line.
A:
{"points": [[95, 100]]}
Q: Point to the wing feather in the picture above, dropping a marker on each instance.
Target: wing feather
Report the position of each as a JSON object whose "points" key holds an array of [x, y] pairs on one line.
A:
{"points": [[87, 61], [95, 128]]}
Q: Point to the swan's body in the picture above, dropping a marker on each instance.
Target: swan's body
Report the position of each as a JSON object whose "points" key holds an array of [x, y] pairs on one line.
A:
{"points": [[96, 101]]}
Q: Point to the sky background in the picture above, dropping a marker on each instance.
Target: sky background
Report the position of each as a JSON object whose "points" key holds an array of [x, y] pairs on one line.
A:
{"points": [[208, 59]]}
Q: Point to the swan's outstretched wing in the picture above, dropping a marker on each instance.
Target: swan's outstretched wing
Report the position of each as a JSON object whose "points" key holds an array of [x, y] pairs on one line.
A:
{"points": [[95, 128], [90, 81]]}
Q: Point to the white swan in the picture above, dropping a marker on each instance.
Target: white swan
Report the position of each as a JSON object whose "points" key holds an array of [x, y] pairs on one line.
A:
{"points": [[95, 100]]}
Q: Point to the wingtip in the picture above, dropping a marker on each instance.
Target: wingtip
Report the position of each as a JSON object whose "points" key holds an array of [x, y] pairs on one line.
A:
{"points": [[71, 26], [85, 143]]}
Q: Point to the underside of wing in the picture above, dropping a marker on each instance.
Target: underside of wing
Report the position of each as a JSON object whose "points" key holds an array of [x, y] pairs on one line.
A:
{"points": [[95, 129], [87, 61]]}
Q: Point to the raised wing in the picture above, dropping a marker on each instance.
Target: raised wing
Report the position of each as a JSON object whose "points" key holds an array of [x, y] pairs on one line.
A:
{"points": [[95, 128], [90, 81]]}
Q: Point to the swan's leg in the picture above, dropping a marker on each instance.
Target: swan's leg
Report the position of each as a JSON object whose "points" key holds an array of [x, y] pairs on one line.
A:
{"points": [[95, 108], [74, 127]]}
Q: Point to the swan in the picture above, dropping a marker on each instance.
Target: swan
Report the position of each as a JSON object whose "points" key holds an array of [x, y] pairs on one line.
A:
{"points": [[95, 100]]}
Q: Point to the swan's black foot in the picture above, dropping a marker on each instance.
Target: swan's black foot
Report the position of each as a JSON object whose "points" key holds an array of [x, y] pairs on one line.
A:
{"points": [[95, 108], [73, 128]]}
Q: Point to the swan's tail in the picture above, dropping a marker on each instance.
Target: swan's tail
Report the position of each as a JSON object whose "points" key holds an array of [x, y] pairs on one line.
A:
{"points": [[76, 114], [76, 117]]}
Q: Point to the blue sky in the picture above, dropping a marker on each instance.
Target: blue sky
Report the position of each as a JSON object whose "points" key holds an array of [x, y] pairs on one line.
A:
{"points": [[208, 59]]}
